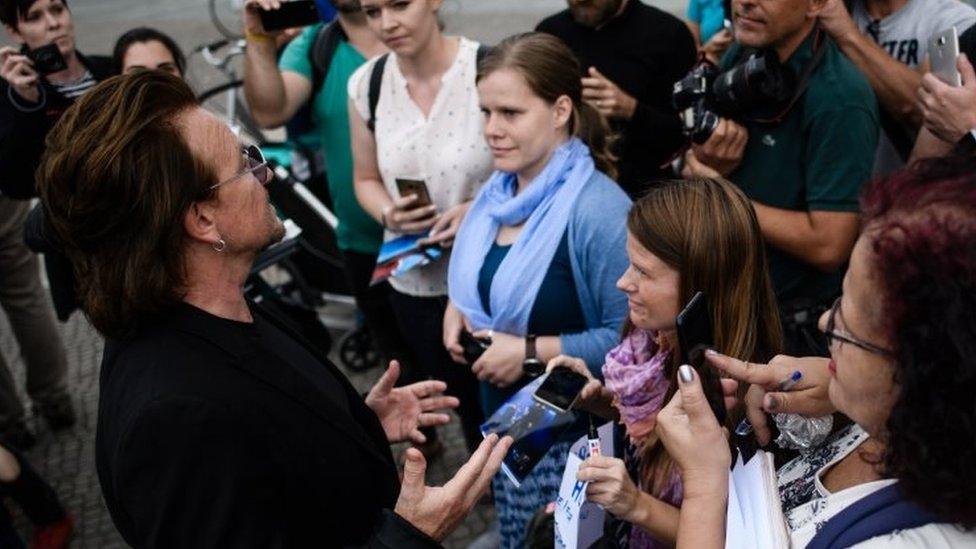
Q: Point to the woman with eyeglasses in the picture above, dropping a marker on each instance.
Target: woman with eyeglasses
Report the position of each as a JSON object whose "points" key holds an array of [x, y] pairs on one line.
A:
{"points": [[902, 367]]}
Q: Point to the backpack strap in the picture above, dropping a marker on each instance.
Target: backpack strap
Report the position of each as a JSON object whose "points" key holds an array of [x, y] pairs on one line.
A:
{"points": [[327, 40], [375, 82], [876, 514]]}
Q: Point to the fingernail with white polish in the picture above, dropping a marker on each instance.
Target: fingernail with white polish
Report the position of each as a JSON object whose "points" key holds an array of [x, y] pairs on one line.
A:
{"points": [[686, 373]]}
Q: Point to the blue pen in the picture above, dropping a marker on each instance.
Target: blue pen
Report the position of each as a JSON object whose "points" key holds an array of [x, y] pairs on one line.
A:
{"points": [[787, 384]]}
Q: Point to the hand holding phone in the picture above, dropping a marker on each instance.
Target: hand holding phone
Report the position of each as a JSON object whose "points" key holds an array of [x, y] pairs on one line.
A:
{"points": [[289, 15], [413, 212], [473, 346], [560, 389]]}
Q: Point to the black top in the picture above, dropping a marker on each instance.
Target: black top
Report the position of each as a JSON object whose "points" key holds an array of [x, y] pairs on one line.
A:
{"points": [[22, 133], [215, 433], [644, 51]]}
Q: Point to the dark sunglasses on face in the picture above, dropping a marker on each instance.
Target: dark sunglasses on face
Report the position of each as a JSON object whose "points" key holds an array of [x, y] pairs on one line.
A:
{"points": [[834, 336], [254, 162]]}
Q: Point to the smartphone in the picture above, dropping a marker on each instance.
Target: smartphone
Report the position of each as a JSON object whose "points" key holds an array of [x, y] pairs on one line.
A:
{"points": [[694, 327], [473, 347], [300, 13], [417, 187], [560, 389], [943, 52], [47, 59]]}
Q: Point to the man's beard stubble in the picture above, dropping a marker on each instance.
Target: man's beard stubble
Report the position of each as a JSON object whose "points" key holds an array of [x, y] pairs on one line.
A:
{"points": [[590, 14]]}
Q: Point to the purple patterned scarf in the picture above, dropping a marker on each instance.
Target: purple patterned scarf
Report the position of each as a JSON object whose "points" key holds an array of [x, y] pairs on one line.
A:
{"points": [[634, 374]]}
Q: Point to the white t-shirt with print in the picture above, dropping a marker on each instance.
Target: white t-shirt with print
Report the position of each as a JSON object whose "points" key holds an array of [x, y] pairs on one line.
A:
{"points": [[905, 35], [447, 149], [808, 508]]}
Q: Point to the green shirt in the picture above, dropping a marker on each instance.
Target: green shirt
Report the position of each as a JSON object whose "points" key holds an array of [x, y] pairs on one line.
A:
{"points": [[816, 159], [357, 231]]}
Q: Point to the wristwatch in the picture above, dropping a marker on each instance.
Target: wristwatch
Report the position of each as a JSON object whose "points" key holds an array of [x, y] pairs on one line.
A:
{"points": [[532, 366]]}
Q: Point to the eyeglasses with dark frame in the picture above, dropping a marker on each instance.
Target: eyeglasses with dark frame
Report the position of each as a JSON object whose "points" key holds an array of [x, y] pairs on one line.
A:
{"points": [[832, 335], [254, 162]]}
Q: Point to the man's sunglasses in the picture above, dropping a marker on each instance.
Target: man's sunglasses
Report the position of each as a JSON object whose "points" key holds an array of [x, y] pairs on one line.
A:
{"points": [[254, 162]]}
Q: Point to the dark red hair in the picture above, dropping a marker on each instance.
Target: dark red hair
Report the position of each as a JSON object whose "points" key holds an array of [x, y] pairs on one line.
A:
{"points": [[922, 225]]}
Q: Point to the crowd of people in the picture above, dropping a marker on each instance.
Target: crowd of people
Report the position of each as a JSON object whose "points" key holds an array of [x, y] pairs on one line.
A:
{"points": [[794, 160]]}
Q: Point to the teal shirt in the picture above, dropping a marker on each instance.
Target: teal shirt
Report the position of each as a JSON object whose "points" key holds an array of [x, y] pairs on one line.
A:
{"points": [[816, 159], [357, 231], [710, 16]]}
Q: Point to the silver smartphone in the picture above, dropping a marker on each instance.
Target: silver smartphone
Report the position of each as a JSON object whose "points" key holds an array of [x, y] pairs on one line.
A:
{"points": [[943, 52]]}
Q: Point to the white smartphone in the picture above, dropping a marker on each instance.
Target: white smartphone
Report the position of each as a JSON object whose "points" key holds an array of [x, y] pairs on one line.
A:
{"points": [[943, 52]]}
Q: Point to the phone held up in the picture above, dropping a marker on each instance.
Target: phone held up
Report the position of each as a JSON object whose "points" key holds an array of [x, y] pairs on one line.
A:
{"points": [[46, 59], [943, 53], [694, 326], [560, 389], [417, 187], [299, 13]]}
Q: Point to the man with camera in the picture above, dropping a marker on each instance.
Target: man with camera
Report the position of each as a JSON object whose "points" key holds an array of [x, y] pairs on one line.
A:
{"points": [[631, 54], [802, 147], [38, 82], [888, 40]]}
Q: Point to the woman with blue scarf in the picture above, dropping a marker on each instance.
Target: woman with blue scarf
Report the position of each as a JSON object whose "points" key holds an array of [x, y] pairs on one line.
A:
{"points": [[536, 260]]}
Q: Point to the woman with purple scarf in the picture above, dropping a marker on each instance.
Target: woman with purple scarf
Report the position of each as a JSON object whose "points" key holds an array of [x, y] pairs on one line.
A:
{"points": [[682, 237], [535, 261]]}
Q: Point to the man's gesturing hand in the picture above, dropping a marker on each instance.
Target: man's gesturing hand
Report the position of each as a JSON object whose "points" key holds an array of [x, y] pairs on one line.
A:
{"points": [[436, 511], [404, 410]]}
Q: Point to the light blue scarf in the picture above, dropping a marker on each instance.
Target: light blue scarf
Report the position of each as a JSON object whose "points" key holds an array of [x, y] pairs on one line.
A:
{"points": [[544, 206]]}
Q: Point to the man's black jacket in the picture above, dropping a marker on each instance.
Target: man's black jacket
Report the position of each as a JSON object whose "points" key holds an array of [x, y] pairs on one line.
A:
{"points": [[208, 439], [22, 133]]}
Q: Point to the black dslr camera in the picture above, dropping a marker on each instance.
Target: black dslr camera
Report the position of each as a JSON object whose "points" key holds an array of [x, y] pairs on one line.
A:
{"points": [[46, 59], [759, 85]]}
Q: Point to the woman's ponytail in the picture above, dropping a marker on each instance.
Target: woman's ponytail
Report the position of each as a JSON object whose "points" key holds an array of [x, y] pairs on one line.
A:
{"points": [[592, 128]]}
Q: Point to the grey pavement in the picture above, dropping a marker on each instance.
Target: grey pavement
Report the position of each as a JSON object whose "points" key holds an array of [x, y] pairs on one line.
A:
{"points": [[67, 459]]}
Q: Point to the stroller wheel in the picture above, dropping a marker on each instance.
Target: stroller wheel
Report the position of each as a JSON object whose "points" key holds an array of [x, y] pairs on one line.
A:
{"points": [[356, 351]]}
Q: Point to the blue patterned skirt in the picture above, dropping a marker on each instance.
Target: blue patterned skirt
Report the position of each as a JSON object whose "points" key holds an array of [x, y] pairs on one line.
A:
{"points": [[515, 507]]}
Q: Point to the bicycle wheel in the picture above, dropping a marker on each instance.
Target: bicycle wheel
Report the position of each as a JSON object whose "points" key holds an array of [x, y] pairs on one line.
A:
{"points": [[214, 100], [226, 17]]}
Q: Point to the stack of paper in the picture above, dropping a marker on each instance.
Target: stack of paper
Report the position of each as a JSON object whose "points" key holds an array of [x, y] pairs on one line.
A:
{"points": [[755, 515]]}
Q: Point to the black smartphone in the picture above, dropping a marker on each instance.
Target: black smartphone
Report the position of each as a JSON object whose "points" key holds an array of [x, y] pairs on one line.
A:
{"points": [[694, 326], [300, 13], [47, 59], [560, 389], [473, 347], [417, 187]]}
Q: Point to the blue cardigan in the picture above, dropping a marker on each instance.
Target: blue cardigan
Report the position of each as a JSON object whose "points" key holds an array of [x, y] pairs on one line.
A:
{"points": [[598, 253]]}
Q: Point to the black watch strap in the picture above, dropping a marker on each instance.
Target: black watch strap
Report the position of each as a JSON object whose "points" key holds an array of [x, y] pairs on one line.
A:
{"points": [[529, 347]]}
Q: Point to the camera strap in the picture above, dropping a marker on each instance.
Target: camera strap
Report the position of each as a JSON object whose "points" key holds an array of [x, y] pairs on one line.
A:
{"points": [[819, 49]]}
